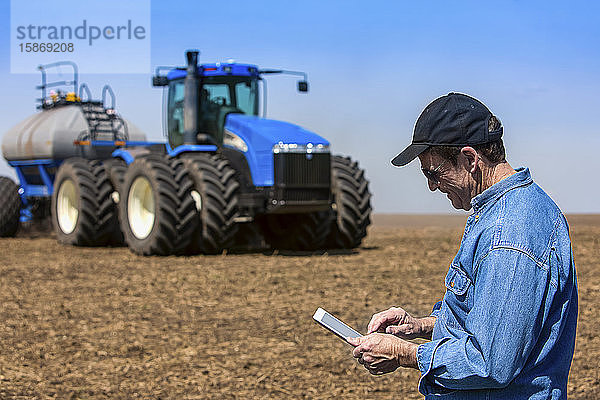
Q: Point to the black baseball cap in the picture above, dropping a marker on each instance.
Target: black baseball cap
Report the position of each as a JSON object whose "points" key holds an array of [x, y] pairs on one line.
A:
{"points": [[452, 120]]}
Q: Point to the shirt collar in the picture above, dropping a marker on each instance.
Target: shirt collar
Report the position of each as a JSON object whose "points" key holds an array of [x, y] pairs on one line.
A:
{"points": [[522, 177]]}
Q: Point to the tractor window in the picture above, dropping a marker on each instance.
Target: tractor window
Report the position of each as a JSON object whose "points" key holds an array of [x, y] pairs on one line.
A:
{"points": [[245, 93], [218, 94], [175, 113], [230, 91]]}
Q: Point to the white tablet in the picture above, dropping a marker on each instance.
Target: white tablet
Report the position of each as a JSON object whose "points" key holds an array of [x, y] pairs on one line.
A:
{"points": [[334, 325]]}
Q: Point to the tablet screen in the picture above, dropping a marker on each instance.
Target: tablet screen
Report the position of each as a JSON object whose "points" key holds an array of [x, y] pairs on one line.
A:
{"points": [[334, 325]]}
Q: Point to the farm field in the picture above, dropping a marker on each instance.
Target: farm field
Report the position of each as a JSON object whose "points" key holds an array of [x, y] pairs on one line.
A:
{"points": [[105, 323]]}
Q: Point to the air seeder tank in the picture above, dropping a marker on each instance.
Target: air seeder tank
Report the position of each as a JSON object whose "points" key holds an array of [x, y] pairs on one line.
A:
{"points": [[52, 133]]}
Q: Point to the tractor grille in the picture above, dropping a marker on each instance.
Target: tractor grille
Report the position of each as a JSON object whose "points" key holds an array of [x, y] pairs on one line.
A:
{"points": [[302, 178], [301, 169], [301, 196]]}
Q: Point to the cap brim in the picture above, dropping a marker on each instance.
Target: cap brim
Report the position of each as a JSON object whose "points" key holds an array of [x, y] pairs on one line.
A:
{"points": [[409, 154]]}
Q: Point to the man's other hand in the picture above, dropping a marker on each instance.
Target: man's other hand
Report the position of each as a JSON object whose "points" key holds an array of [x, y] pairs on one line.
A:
{"points": [[380, 353], [400, 323]]}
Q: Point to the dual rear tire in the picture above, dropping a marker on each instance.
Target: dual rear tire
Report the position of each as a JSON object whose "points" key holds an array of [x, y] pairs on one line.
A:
{"points": [[216, 196], [156, 205], [83, 211], [157, 211], [179, 206]]}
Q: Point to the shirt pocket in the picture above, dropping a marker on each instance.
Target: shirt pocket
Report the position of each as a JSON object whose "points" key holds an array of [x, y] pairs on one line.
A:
{"points": [[458, 298], [457, 281]]}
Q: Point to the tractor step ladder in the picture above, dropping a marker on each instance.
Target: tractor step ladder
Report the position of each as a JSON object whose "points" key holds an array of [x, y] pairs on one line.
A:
{"points": [[104, 123]]}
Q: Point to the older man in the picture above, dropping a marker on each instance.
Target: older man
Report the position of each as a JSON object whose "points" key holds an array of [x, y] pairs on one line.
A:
{"points": [[505, 328]]}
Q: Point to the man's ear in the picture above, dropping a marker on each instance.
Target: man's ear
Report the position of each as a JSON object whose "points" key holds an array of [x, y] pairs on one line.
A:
{"points": [[470, 159]]}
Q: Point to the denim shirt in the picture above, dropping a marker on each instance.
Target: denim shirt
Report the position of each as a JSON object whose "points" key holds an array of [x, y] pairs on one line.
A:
{"points": [[505, 328]]}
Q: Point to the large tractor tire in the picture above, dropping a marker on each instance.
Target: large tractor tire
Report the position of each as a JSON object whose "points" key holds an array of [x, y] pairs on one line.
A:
{"points": [[108, 229], [10, 207], [82, 210], [300, 232], [351, 208], [116, 169], [216, 193], [156, 209]]}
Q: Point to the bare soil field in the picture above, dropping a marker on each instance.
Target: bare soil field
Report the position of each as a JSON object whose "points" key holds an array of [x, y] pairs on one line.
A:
{"points": [[105, 323]]}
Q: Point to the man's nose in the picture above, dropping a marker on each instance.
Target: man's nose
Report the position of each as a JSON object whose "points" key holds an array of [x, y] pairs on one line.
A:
{"points": [[432, 185]]}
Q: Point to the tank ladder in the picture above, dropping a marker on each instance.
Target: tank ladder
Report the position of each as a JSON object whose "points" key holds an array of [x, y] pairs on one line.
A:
{"points": [[103, 121]]}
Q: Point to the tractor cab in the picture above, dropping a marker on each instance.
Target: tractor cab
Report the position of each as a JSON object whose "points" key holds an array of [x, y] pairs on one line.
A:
{"points": [[222, 89], [200, 97]]}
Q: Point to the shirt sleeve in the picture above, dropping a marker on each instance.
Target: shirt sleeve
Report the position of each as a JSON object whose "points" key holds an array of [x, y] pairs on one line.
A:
{"points": [[436, 309], [510, 297]]}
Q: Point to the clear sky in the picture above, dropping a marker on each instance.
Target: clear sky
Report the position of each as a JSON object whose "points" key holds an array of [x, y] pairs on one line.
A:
{"points": [[373, 66]]}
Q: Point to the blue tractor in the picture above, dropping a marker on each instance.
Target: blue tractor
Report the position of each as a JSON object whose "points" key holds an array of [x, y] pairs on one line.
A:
{"points": [[226, 178]]}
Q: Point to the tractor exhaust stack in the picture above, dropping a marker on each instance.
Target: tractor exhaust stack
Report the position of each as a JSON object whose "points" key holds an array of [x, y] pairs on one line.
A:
{"points": [[192, 95]]}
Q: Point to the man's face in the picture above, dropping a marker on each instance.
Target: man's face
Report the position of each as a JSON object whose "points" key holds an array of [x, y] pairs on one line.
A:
{"points": [[453, 180]]}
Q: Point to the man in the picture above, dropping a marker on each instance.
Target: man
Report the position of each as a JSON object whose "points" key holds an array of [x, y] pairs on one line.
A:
{"points": [[505, 328]]}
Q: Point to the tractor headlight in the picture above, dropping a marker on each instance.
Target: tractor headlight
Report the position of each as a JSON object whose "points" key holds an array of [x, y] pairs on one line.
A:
{"points": [[233, 140], [300, 148]]}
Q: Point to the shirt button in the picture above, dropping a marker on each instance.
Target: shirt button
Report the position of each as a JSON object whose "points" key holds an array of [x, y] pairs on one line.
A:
{"points": [[451, 284]]}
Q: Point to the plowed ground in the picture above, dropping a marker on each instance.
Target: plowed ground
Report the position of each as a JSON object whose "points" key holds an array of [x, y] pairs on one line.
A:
{"points": [[104, 323]]}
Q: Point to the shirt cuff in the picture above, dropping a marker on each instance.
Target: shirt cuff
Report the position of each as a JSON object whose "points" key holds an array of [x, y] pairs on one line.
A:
{"points": [[425, 353]]}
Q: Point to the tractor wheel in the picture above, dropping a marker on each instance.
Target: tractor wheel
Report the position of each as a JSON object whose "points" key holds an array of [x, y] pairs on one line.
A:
{"points": [[107, 212], [215, 194], [304, 232], [351, 206], [75, 204], [116, 169], [156, 208], [10, 207]]}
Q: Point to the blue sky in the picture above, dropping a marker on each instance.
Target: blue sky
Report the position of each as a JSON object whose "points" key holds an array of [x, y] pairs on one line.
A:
{"points": [[372, 68]]}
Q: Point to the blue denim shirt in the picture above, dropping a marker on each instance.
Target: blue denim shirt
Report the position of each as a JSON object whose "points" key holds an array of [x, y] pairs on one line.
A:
{"points": [[505, 328]]}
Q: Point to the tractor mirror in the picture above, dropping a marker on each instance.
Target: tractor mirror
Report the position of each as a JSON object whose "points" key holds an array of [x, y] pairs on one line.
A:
{"points": [[160, 80], [303, 86]]}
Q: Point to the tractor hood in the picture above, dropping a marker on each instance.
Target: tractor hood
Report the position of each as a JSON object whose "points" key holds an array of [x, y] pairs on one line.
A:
{"points": [[260, 135], [263, 134]]}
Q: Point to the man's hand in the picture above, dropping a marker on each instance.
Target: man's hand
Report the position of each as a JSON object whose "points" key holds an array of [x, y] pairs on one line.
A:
{"points": [[381, 353], [400, 323]]}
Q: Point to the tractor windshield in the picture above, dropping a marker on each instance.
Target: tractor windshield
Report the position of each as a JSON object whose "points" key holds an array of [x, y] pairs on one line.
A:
{"points": [[219, 96], [236, 91]]}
